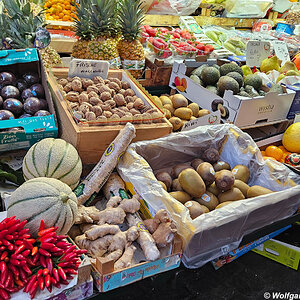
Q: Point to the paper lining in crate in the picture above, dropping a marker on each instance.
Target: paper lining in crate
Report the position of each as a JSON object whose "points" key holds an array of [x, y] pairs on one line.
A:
{"points": [[206, 237], [91, 141]]}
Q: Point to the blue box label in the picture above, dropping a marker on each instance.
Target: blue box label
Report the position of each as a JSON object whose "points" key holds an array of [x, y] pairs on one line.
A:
{"points": [[11, 57]]}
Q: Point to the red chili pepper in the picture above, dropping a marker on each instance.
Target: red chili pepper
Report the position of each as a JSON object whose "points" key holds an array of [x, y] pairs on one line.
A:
{"points": [[70, 256], [46, 231], [41, 283], [69, 277], [39, 273], [23, 231], [62, 245], [70, 249], [18, 242], [49, 288], [26, 236], [26, 269], [15, 262], [53, 280], [3, 233], [42, 225], [47, 236], [11, 223], [82, 251], [70, 271], [66, 264], [13, 228], [14, 269], [44, 252], [60, 253], [49, 264], [61, 237], [43, 261], [17, 256], [10, 247], [20, 249], [4, 275], [26, 252], [6, 243], [23, 262], [55, 274], [34, 251], [2, 248], [65, 282], [4, 294], [4, 254], [48, 280], [31, 241], [62, 274], [36, 258], [23, 275], [30, 284], [8, 280], [9, 237], [21, 226], [57, 285], [33, 289], [48, 246], [27, 245], [45, 272], [30, 262], [19, 283]]}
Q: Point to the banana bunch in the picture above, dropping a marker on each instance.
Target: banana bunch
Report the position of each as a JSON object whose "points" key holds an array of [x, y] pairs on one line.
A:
{"points": [[235, 46], [217, 36]]}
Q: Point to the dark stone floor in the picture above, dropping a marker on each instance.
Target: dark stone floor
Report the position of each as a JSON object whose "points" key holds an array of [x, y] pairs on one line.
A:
{"points": [[249, 277]]}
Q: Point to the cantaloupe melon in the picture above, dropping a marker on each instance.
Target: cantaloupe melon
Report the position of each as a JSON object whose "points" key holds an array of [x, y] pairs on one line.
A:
{"points": [[45, 199], [53, 158]]}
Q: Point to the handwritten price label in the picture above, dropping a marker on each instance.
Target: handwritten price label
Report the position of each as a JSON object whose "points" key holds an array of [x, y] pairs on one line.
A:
{"points": [[281, 51], [256, 52], [86, 68]]}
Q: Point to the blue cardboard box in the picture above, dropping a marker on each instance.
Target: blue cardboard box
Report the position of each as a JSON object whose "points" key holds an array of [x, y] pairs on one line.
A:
{"points": [[23, 133], [295, 107]]}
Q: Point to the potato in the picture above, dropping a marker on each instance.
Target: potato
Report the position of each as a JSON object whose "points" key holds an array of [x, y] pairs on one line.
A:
{"points": [[181, 196], [157, 102], [195, 109], [179, 100], [176, 170], [183, 113], [203, 112], [165, 100], [170, 108], [176, 123], [165, 178], [176, 185]]}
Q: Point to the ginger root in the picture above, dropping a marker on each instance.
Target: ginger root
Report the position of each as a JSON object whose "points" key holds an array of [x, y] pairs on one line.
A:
{"points": [[126, 258], [113, 201], [99, 231], [74, 231], [120, 239], [111, 256], [160, 217], [86, 226], [86, 214], [130, 205], [164, 234], [111, 215]]}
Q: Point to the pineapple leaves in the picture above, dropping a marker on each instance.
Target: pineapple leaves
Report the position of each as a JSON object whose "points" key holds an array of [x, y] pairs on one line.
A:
{"points": [[26, 9]]}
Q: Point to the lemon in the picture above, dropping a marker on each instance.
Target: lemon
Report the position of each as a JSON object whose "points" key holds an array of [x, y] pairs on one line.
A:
{"points": [[291, 138]]}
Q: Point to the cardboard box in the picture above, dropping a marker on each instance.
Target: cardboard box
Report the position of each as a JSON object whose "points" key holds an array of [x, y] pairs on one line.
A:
{"points": [[83, 138], [34, 128], [295, 107], [238, 110], [106, 279]]}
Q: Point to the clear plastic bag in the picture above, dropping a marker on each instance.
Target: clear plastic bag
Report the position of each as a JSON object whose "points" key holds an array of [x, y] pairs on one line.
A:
{"points": [[206, 237], [293, 17], [172, 7]]}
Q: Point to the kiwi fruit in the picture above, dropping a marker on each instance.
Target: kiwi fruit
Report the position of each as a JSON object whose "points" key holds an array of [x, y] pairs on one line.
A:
{"points": [[241, 172], [176, 185], [181, 196], [203, 112], [257, 190], [221, 165], [224, 180], [207, 173], [233, 194], [165, 178], [163, 185], [194, 208], [165, 100], [196, 162], [183, 113], [179, 100], [242, 186], [223, 204], [176, 170], [192, 183], [195, 109], [205, 209], [209, 200], [213, 189], [170, 108], [211, 155]]}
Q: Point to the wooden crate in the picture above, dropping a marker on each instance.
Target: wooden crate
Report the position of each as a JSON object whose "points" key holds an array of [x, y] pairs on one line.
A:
{"points": [[160, 72], [92, 141], [63, 45]]}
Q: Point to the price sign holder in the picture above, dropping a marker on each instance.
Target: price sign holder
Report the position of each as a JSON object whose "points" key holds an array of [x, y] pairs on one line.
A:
{"points": [[256, 52], [86, 68]]}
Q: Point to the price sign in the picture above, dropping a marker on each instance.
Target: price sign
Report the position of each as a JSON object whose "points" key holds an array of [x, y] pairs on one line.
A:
{"points": [[256, 52], [87, 68], [210, 119], [281, 51]]}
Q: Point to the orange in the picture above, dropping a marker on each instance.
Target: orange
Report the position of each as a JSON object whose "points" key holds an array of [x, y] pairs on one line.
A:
{"points": [[263, 153], [275, 152], [268, 157], [282, 148]]}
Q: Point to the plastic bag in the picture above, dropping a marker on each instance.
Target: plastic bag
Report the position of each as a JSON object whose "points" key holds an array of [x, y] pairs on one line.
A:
{"points": [[293, 17], [206, 237], [172, 7], [247, 9]]}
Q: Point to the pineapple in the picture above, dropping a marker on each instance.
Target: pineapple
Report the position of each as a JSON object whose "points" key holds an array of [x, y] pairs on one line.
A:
{"points": [[50, 57], [82, 29], [105, 28], [131, 16]]}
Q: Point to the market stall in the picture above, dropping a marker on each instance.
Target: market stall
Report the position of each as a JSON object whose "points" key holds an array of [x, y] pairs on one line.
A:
{"points": [[138, 137]]}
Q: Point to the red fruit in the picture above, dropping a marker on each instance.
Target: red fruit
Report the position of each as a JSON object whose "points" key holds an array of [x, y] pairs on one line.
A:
{"points": [[208, 49], [175, 35], [200, 46], [157, 44], [152, 31]]}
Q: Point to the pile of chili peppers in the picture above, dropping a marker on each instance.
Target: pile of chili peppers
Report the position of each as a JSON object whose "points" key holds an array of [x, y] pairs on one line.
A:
{"points": [[34, 264]]}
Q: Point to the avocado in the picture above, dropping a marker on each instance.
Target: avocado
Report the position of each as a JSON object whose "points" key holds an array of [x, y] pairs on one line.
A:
{"points": [[210, 75], [198, 70], [230, 67], [253, 80], [196, 79], [212, 89], [244, 94], [227, 83], [238, 77], [216, 66], [276, 88], [251, 91]]}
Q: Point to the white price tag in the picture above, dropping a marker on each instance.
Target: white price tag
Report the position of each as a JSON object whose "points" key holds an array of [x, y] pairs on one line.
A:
{"points": [[211, 119], [281, 51], [256, 52], [86, 68]]}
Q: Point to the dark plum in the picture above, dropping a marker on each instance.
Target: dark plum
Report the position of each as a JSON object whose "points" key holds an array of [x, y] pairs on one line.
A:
{"points": [[38, 90], [31, 78], [10, 91], [13, 105], [44, 104], [25, 116], [7, 78], [32, 105], [6, 115], [1, 101], [42, 113], [26, 94], [22, 85]]}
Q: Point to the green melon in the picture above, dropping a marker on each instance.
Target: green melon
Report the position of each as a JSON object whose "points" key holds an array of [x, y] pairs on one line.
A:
{"points": [[45, 199], [53, 158]]}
